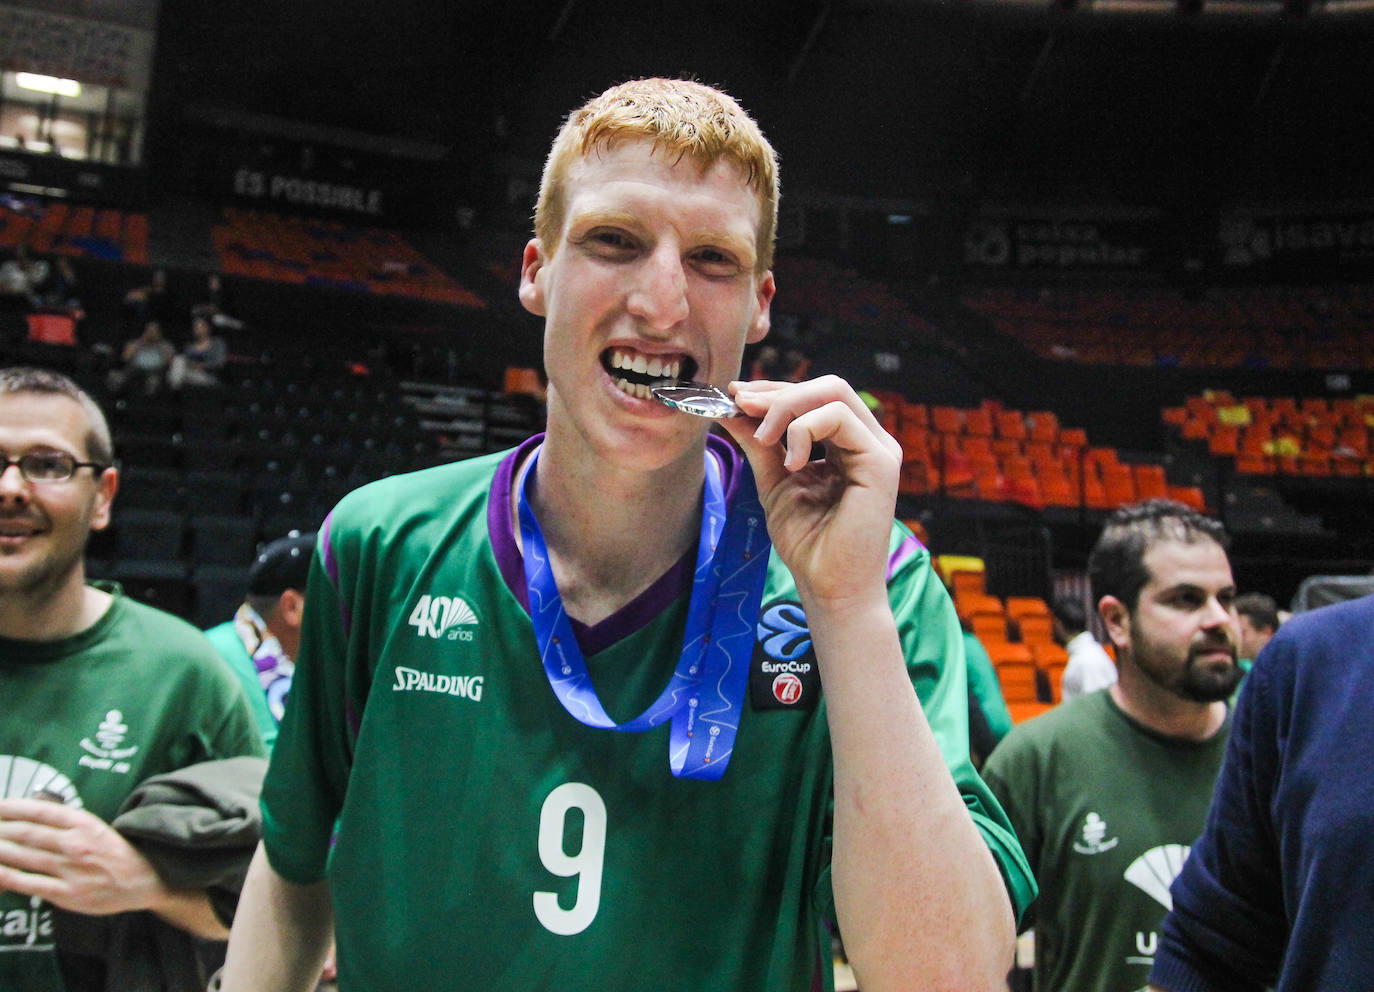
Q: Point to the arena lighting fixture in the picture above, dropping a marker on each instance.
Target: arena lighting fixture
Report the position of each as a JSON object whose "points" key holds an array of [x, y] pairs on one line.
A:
{"points": [[48, 84]]}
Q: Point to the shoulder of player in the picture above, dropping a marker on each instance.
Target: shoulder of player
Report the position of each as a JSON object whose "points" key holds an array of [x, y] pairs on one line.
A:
{"points": [[1065, 726], [394, 504]]}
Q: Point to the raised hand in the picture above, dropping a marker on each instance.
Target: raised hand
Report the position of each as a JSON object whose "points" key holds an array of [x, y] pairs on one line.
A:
{"points": [[829, 519]]}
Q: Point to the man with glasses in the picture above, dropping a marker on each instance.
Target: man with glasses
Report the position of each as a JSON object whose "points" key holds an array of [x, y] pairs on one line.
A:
{"points": [[99, 693]]}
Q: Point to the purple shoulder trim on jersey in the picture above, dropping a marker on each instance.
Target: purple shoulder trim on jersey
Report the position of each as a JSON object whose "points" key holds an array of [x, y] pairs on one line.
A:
{"points": [[638, 612], [331, 564], [907, 550], [331, 569], [500, 526]]}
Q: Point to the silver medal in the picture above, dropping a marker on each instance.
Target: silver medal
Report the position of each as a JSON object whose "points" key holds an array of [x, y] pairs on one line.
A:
{"points": [[700, 399]]}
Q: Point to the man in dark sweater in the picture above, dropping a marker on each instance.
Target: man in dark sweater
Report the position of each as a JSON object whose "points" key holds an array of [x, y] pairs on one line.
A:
{"points": [[1279, 890]]}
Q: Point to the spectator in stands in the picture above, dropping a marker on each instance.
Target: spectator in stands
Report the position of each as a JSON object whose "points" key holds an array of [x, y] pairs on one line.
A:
{"points": [[767, 364], [19, 279], [1259, 620], [454, 775], [216, 305], [1108, 790], [1089, 667], [201, 360], [100, 693], [1279, 890], [796, 364], [152, 302], [147, 359], [59, 290], [261, 640]]}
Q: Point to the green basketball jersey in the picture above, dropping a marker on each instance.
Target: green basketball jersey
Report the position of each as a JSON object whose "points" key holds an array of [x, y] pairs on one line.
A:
{"points": [[1106, 811], [488, 840], [87, 718]]}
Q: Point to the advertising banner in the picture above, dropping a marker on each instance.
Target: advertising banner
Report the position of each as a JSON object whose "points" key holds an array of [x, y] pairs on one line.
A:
{"points": [[1296, 243], [1034, 240]]}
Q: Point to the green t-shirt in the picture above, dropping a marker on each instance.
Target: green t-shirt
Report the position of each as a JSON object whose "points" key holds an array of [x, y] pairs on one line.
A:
{"points": [[484, 832], [230, 647], [1106, 811], [88, 718]]}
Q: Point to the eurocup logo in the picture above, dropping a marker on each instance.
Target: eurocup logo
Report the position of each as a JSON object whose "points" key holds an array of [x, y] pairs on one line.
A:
{"points": [[783, 633]]}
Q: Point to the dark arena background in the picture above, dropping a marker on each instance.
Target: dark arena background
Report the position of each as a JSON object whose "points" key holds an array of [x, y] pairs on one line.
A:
{"points": [[1080, 252]]}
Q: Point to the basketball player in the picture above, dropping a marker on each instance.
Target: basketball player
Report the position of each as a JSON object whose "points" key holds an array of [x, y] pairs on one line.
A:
{"points": [[581, 728]]}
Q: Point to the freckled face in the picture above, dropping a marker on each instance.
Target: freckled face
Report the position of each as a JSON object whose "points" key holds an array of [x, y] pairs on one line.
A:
{"points": [[653, 276]]}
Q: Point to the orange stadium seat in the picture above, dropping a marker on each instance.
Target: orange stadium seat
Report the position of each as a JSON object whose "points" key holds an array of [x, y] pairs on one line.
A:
{"points": [[1015, 667], [947, 419], [1150, 482], [978, 421]]}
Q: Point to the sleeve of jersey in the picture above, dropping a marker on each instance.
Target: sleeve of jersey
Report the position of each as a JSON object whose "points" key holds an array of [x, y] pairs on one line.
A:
{"points": [[1227, 928], [1014, 774], [304, 789], [932, 641]]}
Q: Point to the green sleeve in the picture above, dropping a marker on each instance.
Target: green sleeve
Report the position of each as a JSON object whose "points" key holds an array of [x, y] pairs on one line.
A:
{"points": [[933, 642], [306, 781], [1012, 772]]}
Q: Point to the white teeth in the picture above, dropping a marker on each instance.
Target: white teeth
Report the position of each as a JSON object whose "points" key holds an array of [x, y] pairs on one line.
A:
{"points": [[623, 386], [655, 366]]}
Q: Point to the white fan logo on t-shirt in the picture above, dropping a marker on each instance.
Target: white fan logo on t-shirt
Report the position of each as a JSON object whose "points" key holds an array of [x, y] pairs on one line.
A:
{"points": [[1155, 870]]}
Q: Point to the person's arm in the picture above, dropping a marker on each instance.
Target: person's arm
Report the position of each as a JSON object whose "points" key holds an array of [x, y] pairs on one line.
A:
{"points": [[76, 861], [270, 907], [919, 897]]}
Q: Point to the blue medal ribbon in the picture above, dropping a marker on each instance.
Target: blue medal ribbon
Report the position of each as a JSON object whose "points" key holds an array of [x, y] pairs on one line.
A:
{"points": [[705, 696]]}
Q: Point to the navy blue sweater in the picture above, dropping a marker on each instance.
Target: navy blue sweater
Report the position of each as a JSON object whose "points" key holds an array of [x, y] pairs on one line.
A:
{"points": [[1279, 890]]}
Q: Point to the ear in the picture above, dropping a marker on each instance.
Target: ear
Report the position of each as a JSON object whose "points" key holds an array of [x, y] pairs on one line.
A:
{"points": [[1117, 619], [291, 607], [103, 500], [763, 296], [531, 269]]}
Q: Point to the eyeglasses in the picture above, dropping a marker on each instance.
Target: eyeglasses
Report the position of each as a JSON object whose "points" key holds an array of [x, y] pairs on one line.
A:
{"points": [[48, 466]]}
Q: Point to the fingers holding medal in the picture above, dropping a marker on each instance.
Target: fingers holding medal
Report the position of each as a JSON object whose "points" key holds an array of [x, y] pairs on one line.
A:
{"points": [[829, 519]]}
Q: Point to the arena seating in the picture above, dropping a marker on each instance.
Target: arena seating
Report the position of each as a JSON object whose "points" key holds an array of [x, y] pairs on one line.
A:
{"points": [[1311, 437], [331, 254], [1025, 457], [79, 231], [1251, 327], [1016, 631]]}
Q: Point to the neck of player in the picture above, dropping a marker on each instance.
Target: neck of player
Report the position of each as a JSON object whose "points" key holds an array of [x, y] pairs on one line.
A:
{"points": [[612, 531]]}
